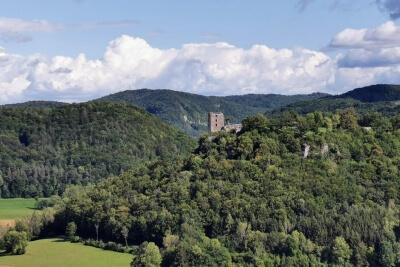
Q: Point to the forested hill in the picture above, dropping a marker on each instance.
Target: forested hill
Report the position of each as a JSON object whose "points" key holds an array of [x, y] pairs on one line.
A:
{"points": [[375, 98], [374, 93], [189, 112], [270, 101], [43, 150], [36, 104], [255, 199]]}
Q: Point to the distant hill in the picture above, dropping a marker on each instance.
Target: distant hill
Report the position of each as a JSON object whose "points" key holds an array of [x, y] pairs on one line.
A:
{"points": [[375, 98], [189, 112], [374, 93], [43, 150], [36, 104], [270, 101]]}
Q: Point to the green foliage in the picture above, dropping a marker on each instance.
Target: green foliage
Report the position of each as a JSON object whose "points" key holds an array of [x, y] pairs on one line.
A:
{"points": [[254, 198], [188, 112], [375, 93], [147, 256], [70, 231], [44, 150], [381, 98], [15, 242], [341, 251], [36, 104]]}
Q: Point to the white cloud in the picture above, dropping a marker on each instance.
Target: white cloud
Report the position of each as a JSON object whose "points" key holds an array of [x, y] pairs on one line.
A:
{"points": [[128, 62], [369, 58], [20, 25], [210, 69], [365, 48], [386, 35]]}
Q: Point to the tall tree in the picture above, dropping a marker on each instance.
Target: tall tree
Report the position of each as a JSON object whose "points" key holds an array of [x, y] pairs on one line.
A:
{"points": [[148, 256]]}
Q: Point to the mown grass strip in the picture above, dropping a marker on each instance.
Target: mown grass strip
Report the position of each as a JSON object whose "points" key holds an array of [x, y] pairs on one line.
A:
{"points": [[56, 252]]}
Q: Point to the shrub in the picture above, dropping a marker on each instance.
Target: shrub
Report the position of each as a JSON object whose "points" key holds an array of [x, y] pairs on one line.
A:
{"points": [[15, 242]]}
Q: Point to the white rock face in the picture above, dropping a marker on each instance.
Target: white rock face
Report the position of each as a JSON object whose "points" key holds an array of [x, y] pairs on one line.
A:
{"points": [[306, 151]]}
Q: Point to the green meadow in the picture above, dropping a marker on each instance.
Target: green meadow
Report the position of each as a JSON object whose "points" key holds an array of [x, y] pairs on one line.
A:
{"points": [[16, 208], [56, 252]]}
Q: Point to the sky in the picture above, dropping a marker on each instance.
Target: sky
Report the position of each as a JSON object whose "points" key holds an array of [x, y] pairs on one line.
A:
{"points": [[79, 50]]}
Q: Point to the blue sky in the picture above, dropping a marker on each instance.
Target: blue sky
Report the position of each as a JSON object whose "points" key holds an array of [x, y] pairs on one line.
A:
{"points": [[76, 50]]}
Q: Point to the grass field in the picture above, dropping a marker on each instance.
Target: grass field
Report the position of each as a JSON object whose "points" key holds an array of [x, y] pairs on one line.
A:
{"points": [[15, 208], [56, 252]]}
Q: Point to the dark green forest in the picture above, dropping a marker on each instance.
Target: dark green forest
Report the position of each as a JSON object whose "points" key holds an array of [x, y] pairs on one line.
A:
{"points": [[256, 198], [188, 112], [43, 150], [375, 93], [381, 98], [36, 104]]}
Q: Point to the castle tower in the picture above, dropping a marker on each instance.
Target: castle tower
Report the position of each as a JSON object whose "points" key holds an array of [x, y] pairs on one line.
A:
{"points": [[215, 122]]}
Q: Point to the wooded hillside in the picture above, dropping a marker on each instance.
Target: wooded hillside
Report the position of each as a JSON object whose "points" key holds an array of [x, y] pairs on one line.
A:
{"points": [[381, 98], [254, 199], [43, 150], [189, 112]]}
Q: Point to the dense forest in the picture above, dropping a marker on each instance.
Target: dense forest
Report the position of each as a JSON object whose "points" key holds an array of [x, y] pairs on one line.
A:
{"points": [[188, 112], [382, 98], [36, 104], [374, 93], [42, 150], [315, 190]]}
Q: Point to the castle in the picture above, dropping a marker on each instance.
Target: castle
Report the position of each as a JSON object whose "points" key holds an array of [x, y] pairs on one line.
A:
{"points": [[216, 123]]}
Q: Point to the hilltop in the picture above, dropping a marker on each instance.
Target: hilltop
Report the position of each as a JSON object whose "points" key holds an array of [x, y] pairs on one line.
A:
{"points": [[374, 93], [43, 150], [36, 104], [375, 98]]}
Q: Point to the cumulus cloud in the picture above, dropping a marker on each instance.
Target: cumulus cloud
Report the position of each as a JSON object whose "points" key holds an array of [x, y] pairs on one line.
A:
{"points": [[128, 63], [385, 35], [377, 47], [369, 58], [203, 68], [390, 6]]}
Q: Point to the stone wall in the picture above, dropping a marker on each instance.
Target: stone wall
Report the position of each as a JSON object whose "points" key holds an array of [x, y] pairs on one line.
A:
{"points": [[232, 127]]}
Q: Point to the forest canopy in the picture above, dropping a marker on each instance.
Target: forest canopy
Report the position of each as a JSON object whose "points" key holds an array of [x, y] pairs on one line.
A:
{"points": [[257, 198], [42, 150]]}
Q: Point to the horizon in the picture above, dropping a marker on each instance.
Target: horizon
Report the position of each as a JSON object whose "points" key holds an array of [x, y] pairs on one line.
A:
{"points": [[213, 48], [88, 100]]}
